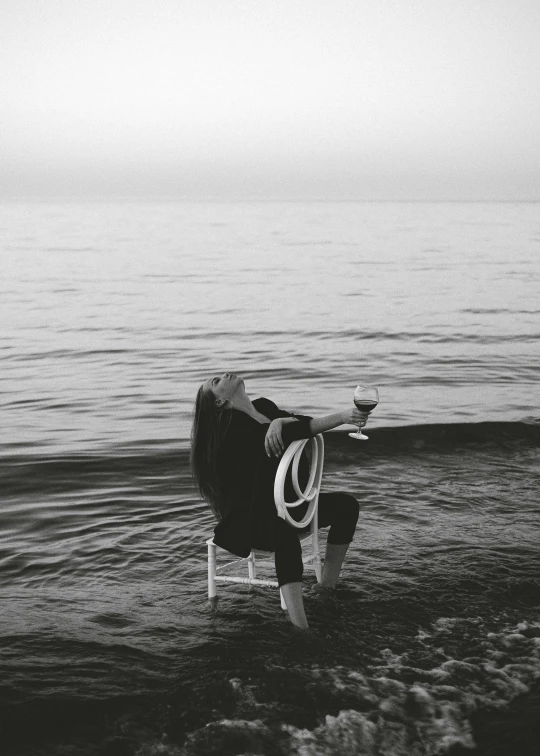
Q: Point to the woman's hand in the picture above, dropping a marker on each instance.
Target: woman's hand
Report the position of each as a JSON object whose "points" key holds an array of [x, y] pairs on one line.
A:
{"points": [[355, 417], [273, 443]]}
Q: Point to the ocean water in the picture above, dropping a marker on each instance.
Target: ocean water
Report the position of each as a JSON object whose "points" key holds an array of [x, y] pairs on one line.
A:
{"points": [[112, 314]]}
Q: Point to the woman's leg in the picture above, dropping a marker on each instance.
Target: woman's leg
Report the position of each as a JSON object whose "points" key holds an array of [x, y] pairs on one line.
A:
{"points": [[294, 601], [333, 561], [340, 512], [289, 570]]}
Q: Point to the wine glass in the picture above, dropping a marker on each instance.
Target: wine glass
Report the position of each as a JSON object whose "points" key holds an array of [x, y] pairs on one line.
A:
{"points": [[366, 398]]}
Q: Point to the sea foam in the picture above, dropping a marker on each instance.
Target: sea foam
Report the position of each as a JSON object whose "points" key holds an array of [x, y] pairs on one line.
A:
{"points": [[393, 708]]}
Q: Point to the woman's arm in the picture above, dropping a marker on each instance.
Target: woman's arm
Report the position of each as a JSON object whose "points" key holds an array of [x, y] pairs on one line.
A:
{"points": [[327, 422], [278, 436], [284, 430]]}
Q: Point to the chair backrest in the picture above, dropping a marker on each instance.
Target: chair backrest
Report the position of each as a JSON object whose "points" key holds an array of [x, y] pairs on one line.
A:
{"points": [[311, 492]]}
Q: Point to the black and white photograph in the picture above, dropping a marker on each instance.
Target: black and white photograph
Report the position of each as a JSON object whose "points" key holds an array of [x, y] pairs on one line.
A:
{"points": [[269, 378]]}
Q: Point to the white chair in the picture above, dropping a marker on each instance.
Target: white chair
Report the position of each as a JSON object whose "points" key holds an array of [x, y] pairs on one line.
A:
{"points": [[290, 459]]}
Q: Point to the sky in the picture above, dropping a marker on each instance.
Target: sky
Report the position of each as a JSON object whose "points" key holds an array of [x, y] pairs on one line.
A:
{"points": [[270, 99]]}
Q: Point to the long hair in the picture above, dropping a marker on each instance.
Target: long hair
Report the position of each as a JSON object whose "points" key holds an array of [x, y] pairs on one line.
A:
{"points": [[210, 424]]}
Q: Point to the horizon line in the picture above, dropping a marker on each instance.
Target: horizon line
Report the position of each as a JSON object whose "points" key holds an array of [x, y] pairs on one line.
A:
{"points": [[222, 200]]}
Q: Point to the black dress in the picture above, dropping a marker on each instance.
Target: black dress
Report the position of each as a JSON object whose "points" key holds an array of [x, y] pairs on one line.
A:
{"points": [[248, 512]]}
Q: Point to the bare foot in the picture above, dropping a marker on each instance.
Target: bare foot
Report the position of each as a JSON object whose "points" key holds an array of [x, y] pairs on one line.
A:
{"points": [[318, 590], [307, 634]]}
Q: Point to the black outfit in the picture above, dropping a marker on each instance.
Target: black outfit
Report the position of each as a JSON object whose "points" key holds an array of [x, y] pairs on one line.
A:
{"points": [[249, 518]]}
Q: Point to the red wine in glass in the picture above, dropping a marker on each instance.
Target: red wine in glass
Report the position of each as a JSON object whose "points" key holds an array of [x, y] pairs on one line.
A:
{"points": [[366, 398]]}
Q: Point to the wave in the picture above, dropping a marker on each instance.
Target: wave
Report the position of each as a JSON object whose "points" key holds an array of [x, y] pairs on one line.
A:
{"points": [[153, 460], [396, 707], [429, 699], [345, 334], [453, 436]]}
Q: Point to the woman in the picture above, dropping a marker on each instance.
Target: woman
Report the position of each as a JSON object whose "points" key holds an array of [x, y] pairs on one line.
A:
{"points": [[236, 445]]}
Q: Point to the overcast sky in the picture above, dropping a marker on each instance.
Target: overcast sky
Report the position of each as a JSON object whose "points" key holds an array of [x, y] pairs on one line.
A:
{"points": [[370, 99]]}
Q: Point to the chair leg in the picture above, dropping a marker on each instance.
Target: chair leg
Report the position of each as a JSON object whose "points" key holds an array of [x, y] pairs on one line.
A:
{"points": [[212, 588], [252, 570], [316, 553]]}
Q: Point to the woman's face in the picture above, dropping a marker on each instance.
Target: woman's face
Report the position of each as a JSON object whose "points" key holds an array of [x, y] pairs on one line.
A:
{"points": [[224, 386]]}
